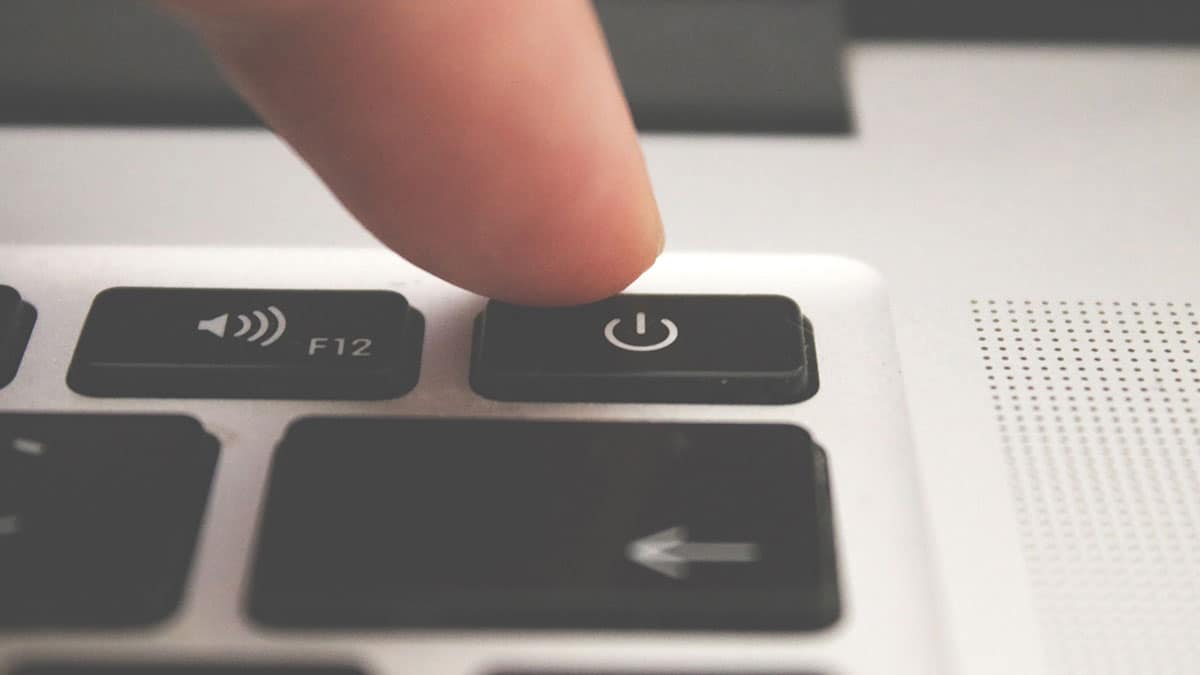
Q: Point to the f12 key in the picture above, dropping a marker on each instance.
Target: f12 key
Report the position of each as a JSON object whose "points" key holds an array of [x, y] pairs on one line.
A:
{"points": [[215, 343]]}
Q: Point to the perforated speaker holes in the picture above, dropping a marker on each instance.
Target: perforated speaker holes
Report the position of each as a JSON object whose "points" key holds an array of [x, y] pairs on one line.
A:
{"points": [[1097, 407]]}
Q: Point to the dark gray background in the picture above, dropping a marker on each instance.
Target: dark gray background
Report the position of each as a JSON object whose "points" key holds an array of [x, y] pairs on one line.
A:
{"points": [[1058, 21], [716, 65], [742, 65]]}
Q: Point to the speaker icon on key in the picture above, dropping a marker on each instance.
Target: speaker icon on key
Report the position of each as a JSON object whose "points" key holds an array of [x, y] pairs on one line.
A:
{"points": [[252, 327]]}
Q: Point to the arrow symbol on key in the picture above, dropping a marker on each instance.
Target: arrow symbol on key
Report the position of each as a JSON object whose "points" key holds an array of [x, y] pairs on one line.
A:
{"points": [[670, 553], [28, 446]]}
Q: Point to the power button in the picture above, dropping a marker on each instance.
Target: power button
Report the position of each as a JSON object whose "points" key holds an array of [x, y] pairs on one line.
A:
{"points": [[647, 348], [610, 334]]}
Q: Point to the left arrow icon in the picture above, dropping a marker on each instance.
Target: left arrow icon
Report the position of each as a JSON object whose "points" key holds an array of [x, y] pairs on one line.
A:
{"points": [[670, 553], [28, 446]]}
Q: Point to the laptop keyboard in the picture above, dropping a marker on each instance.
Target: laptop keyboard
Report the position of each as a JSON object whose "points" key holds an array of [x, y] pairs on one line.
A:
{"points": [[413, 461], [427, 523]]}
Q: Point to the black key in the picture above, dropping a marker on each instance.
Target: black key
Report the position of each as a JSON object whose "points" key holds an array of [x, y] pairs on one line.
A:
{"points": [[98, 517], [155, 668], [16, 324], [386, 523], [188, 668], [647, 348], [248, 344]]}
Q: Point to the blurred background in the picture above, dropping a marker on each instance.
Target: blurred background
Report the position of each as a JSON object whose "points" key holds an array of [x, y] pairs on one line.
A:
{"points": [[687, 65], [1111, 21]]}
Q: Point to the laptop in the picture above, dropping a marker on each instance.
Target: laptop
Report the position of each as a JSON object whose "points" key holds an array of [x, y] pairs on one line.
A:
{"points": [[916, 392]]}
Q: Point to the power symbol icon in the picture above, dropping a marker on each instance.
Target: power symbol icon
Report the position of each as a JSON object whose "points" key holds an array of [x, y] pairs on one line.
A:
{"points": [[610, 334]]}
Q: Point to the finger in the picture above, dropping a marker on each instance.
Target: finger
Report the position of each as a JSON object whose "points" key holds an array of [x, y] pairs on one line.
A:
{"points": [[488, 142]]}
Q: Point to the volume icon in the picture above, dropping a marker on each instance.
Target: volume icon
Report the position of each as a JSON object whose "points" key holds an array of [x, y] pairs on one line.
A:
{"points": [[252, 327]]}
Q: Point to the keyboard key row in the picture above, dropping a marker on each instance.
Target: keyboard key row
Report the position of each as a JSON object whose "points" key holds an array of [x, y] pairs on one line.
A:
{"points": [[211, 343], [421, 523]]}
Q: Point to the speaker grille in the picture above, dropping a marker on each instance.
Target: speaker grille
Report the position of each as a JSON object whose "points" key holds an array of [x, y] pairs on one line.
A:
{"points": [[1096, 404]]}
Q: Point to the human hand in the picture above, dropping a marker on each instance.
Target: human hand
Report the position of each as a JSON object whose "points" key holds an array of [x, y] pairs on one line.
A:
{"points": [[486, 141]]}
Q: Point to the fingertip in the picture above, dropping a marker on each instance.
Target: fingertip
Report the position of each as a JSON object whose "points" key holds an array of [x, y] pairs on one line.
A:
{"points": [[568, 258], [488, 143], [602, 273]]}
